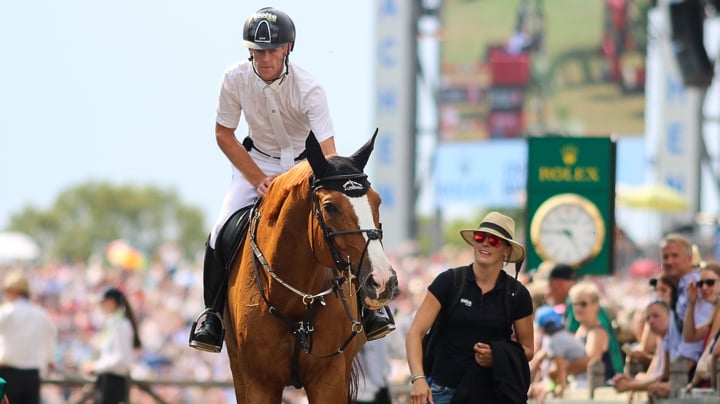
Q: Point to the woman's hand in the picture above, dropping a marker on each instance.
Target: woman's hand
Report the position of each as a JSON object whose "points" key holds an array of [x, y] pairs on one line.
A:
{"points": [[660, 389], [420, 393], [483, 354], [692, 292], [621, 382], [88, 368]]}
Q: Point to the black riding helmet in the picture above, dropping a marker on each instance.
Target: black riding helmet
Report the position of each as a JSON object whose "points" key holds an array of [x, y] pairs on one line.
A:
{"points": [[268, 28]]}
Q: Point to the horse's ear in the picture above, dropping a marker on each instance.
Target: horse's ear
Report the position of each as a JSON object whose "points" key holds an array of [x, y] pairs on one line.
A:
{"points": [[361, 156], [315, 155]]}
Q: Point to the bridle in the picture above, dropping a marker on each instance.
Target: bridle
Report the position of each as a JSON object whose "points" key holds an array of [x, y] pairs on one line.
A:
{"points": [[334, 278], [329, 234]]}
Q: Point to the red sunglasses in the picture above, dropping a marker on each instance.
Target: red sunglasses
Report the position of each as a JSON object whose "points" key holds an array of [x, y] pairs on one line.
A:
{"points": [[493, 240]]}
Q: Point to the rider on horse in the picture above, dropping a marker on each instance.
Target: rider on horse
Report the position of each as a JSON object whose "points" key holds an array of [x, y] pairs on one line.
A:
{"points": [[282, 104]]}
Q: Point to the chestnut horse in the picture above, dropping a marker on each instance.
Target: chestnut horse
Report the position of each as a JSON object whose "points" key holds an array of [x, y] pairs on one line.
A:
{"points": [[312, 254]]}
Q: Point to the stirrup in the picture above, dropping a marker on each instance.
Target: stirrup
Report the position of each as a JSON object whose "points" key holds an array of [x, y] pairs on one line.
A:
{"points": [[382, 326], [380, 332], [207, 346]]}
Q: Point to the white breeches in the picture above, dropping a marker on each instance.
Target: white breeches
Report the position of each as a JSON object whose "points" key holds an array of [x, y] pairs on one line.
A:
{"points": [[241, 192]]}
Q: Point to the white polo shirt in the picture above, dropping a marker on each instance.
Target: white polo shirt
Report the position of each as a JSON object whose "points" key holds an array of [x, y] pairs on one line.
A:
{"points": [[27, 335], [301, 100]]}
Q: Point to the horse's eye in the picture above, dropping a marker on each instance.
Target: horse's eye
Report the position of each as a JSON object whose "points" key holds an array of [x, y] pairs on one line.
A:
{"points": [[330, 208]]}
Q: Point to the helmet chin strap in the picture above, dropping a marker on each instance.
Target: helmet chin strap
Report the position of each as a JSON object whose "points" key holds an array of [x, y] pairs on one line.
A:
{"points": [[281, 77]]}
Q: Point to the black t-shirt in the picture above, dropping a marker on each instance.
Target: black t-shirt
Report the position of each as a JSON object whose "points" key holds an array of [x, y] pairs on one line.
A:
{"points": [[477, 317]]}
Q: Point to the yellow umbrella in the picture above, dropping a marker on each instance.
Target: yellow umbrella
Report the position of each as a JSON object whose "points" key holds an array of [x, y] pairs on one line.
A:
{"points": [[121, 254], [657, 197]]}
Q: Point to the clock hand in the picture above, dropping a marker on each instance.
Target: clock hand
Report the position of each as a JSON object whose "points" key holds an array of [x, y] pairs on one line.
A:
{"points": [[574, 241]]}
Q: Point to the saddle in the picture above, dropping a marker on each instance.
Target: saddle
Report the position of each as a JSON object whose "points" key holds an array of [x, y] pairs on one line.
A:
{"points": [[231, 236]]}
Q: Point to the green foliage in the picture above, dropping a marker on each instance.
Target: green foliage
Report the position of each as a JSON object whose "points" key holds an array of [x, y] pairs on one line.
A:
{"points": [[85, 218]]}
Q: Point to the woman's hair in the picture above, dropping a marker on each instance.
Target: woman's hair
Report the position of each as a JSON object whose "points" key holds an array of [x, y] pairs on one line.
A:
{"points": [[584, 288], [662, 303], [713, 266], [121, 301], [673, 282]]}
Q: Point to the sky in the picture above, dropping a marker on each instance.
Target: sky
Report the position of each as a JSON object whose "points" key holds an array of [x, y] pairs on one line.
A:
{"points": [[125, 91]]}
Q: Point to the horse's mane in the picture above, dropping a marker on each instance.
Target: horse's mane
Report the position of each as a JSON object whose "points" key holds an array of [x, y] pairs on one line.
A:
{"points": [[287, 188]]}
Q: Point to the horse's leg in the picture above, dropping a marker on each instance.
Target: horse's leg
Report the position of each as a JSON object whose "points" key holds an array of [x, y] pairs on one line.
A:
{"points": [[262, 392], [231, 344], [331, 387]]}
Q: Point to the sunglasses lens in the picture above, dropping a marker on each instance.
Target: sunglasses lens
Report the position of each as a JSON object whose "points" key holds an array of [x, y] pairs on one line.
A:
{"points": [[709, 282], [494, 241], [479, 237], [653, 282]]}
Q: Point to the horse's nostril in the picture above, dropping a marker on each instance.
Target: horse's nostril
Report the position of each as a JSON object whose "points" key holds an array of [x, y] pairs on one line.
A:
{"points": [[393, 282], [371, 282]]}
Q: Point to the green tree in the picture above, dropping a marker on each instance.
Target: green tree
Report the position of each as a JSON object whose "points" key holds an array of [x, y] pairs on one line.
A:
{"points": [[85, 218]]}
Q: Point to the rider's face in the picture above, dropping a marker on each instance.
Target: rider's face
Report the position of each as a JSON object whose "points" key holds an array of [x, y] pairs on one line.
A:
{"points": [[270, 63]]}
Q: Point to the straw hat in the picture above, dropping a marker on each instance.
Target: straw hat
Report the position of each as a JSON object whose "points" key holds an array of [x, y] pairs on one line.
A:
{"points": [[499, 225], [16, 282]]}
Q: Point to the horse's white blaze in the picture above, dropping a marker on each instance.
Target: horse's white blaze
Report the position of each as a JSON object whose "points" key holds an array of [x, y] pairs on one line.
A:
{"points": [[379, 262]]}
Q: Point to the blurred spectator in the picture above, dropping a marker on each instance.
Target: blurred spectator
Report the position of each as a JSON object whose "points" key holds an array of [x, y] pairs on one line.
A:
{"points": [[558, 349], [585, 298], [641, 354], [561, 278], [702, 304], [27, 341], [115, 343], [676, 253], [657, 315], [373, 387]]}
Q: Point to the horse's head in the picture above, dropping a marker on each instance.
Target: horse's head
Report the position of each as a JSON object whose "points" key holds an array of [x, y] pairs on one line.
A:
{"points": [[347, 210]]}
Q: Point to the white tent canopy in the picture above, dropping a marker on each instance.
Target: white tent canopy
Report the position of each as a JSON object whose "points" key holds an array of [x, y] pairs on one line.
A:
{"points": [[15, 247]]}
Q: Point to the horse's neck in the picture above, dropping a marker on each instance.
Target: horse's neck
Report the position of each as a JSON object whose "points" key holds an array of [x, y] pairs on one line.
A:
{"points": [[287, 248]]}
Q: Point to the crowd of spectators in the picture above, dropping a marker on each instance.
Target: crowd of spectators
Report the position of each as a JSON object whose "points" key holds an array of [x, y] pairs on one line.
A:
{"points": [[166, 298]]}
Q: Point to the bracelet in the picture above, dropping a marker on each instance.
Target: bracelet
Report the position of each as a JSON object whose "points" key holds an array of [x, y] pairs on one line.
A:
{"points": [[416, 378]]}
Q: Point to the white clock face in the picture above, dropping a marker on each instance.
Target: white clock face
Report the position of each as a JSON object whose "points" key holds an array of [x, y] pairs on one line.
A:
{"points": [[567, 229]]}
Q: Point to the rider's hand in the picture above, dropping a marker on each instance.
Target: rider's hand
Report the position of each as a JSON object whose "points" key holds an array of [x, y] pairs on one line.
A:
{"points": [[263, 187]]}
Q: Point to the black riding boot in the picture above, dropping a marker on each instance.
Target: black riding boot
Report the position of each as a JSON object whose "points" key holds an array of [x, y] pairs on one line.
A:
{"points": [[210, 336], [377, 323]]}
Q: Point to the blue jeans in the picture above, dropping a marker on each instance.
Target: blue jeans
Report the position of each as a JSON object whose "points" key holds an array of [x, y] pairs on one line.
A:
{"points": [[441, 394]]}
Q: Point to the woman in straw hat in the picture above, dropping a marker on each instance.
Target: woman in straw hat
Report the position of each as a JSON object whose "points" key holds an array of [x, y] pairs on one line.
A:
{"points": [[479, 328]]}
